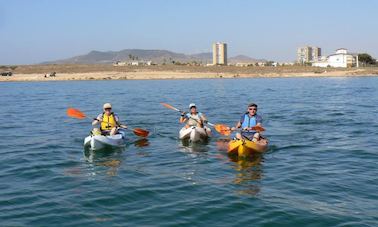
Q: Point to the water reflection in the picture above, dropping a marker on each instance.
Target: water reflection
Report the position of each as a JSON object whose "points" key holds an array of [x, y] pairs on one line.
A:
{"points": [[248, 170], [143, 142], [199, 147], [109, 158], [222, 144], [91, 155], [249, 173], [112, 165]]}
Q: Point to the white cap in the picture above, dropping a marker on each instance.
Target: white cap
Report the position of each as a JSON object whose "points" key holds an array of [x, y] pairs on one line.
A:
{"points": [[192, 105], [107, 105]]}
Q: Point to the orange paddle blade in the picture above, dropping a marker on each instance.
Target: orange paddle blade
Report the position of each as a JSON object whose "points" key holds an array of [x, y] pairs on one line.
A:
{"points": [[222, 129], [140, 132], [169, 106], [75, 113], [258, 128]]}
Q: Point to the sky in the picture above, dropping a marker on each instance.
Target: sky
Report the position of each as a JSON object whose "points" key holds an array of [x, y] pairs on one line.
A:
{"points": [[43, 30]]}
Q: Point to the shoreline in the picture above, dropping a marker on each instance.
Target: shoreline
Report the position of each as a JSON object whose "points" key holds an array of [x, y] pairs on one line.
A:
{"points": [[167, 73]]}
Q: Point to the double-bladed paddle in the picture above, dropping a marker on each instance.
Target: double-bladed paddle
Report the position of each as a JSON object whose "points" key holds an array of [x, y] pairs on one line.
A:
{"points": [[220, 128], [76, 113]]}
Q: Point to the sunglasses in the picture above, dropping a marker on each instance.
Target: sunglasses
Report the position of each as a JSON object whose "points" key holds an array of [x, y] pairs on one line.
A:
{"points": [[108, 108], [252, 109]]}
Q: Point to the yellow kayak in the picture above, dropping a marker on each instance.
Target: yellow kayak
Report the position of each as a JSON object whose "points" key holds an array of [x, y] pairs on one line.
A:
{"points": [[244, 148]]}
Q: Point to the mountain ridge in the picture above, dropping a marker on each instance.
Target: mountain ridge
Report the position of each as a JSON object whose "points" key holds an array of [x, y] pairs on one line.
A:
{"points": [[155, 55]]}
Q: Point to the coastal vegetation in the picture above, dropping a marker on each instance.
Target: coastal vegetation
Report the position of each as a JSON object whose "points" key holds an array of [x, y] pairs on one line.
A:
{"points": [[367, 60]]}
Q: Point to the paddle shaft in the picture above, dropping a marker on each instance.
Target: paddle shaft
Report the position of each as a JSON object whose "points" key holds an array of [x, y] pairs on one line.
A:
{"points": [[120, 125], [240, 130]]}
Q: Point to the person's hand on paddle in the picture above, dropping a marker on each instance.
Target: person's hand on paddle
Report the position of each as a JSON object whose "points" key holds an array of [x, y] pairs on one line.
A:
{"points": [[183, 113]]}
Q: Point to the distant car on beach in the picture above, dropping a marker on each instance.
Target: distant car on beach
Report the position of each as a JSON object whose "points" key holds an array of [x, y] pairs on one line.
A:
{"points": [[6, 73], [52, 74]]}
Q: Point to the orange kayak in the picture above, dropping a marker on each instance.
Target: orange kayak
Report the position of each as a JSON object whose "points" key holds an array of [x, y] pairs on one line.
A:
{"points": [[244, 148]]}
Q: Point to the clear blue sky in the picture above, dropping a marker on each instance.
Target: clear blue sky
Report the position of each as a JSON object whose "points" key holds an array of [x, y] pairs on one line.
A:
{"points": [[43, 30]]}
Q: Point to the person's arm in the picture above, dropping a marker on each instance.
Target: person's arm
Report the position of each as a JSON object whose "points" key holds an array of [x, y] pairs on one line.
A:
{"points": [[238, 125], [97, 120]]}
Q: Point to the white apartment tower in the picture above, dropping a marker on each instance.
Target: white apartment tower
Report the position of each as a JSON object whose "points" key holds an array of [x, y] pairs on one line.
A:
{"points": [[308, 54], [219, 53]]}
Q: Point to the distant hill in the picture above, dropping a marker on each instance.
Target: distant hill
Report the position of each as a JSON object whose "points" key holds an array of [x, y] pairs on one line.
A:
{"points": [[244, 59], [156, 56]]}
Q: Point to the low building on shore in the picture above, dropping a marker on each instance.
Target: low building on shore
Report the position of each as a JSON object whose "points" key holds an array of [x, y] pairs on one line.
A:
{"points": [[244, 64], [341, 59], [287, 63], [256, 64], [133, 63], [120, 63]]}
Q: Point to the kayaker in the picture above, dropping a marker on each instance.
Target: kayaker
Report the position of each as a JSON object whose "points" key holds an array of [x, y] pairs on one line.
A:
{"points": [[247, 121], [109, 121], [193, 118]]}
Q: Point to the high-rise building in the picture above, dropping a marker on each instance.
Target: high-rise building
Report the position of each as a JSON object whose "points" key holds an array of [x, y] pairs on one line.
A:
{"points": [[219, 53], [316, 53], [308, 54], [303, 54]]}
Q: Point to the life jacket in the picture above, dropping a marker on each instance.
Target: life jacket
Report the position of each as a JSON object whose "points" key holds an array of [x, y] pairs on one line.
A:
{"points": [[249, 122], [108, 122], [193, 120]]}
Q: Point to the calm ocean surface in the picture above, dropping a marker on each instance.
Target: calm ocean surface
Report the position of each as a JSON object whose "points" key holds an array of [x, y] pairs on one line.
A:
{"points": [[321, 168]]}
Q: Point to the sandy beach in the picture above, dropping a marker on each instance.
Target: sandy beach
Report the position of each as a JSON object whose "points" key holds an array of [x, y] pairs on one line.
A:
{"points": [[108, 72]]}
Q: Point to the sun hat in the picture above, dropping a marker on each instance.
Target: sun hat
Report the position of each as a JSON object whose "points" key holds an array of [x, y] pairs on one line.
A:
{"points": [[107, 106], [192, 105]]}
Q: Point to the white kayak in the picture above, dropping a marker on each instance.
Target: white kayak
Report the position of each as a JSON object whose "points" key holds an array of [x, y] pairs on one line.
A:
{"points": [[195, 134], [97, 142]]}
